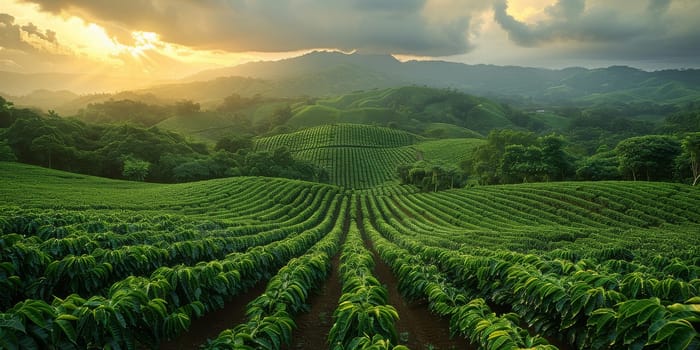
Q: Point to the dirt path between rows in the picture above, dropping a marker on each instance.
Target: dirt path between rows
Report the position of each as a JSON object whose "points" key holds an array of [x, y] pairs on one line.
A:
{"points": [[212, 323], [418, 328], [313, 326]]}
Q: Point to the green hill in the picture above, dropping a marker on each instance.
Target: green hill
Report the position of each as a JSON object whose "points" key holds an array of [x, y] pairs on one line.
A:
{"points": [[77, 249], [355, 156], [416, 109], [362, 156], [450, 151]]}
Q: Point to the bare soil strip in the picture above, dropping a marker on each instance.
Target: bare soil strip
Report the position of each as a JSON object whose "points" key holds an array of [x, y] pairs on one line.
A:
{"points": [[418, 328], [212, 323]]}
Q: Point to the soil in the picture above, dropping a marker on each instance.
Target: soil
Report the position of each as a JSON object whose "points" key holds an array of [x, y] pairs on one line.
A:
{"points": [[313, 326], [418, 328], [212, 323]]}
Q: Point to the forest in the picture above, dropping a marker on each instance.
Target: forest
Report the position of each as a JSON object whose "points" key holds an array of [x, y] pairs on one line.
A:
{"points": [[122, 139]]}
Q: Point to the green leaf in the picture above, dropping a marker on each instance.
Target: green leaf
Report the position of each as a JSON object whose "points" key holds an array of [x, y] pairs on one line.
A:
{"points": [[680, 333]]}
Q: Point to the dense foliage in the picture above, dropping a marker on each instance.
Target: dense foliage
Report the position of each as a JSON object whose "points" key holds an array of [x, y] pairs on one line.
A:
{"points": [[92, 263], [430, 177], [137, 153]]}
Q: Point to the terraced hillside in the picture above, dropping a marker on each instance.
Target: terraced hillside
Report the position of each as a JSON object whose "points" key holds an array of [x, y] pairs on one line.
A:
{"points": [[265, 263], [355, 156]]}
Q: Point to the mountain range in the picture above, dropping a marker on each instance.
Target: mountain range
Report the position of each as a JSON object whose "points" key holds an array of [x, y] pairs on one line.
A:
{"points": [[323, 74]]}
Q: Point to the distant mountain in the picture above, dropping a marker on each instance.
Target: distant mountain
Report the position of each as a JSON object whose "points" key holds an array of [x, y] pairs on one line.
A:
{"points": [[332, 73], [44, 99], [311, 63], [327, 74], [67, 103], [19, 84]]}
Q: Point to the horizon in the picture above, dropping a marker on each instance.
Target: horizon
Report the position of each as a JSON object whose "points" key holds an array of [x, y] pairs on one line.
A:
{"points": [[398, 58], [161, 41]]}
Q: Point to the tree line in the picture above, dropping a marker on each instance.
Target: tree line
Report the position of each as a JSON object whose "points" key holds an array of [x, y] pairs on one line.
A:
{"points": [[511, 156], [135, 152]]}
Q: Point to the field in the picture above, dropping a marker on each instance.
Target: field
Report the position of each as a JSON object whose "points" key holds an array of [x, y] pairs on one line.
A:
{"points": [[273, 263], [355, 156]]}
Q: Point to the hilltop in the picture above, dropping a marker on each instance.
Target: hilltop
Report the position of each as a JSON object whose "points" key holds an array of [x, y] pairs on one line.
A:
{"points": [[583, 86], [326, 74]]}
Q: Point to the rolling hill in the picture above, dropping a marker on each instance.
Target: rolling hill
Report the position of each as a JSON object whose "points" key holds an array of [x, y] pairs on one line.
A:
{"points": [[355, 156], [412, 108], [214, 260], [580, 86], [327, 74]]}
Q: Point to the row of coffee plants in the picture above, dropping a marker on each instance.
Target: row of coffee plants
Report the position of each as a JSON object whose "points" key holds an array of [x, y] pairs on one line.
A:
{"points": [[336, 135], [270, 315], [577, 300], [469, 316], [87, 274], [363, 319], [358, 167], [147, 310]]}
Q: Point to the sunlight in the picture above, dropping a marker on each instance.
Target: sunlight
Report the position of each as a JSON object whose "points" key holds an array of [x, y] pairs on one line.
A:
{"points": [[143, 41], [100, 40], [528, 11]]}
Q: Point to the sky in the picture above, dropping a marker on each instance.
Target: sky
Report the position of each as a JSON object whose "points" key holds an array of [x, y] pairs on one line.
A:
{"points": [[170, 39]]}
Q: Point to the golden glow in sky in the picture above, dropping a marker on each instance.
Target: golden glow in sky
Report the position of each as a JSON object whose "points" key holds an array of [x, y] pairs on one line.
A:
{"points": [[170, 39], [90, 44]]}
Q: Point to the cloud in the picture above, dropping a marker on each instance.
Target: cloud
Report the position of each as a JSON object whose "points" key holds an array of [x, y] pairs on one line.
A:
{"points": [[12, 35], [613, 30], [392, 26], [31, 29]]}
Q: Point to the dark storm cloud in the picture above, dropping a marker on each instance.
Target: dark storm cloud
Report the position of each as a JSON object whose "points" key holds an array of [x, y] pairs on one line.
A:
{"points": [[569, 21], [395, 26], [610, 30]]}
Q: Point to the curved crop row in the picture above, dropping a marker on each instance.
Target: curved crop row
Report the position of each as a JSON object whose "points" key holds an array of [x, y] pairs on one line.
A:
{"points": [[270, 315], [363, 318]]}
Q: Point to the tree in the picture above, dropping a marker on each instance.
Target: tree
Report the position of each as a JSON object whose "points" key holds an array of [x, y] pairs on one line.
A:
{"points": [[487, 158], [558, 163], [186, 107], [691, 150], [6, 153], [46, 146], [281, 115], [135, 169], [603, 165], [649, 156], [522, 164], [429, 176], [234, 143], [6, 115]]}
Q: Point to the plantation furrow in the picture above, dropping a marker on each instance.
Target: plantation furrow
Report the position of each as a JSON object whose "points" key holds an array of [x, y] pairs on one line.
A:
{"points": [[427, 215], [469, 317], [499, 215], [417, 326], [536, 296], [90, 274], [521, 205], [270, 315], [604, 265], [586, 211], [314, 325], [363, 316], [210, 324], [180, 292]]}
